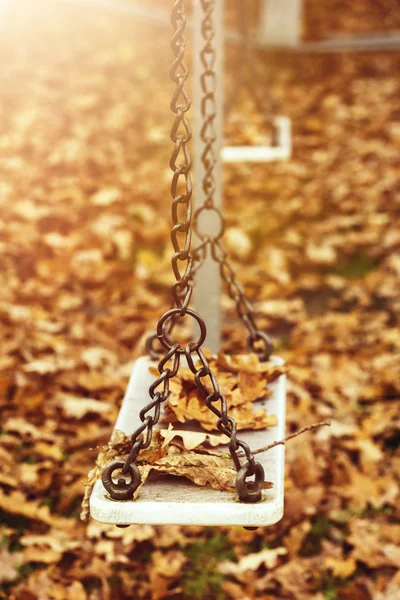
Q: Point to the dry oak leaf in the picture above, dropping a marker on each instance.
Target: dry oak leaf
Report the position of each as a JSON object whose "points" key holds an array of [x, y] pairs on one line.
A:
{"points": [[374, 544], [190, 408], [237, 242], [165, 567], [128, 536], [350, 483], [290, 310], [252, 386], [75, 407], [250, 363], [342, 568], [168, 564], [112, 552], [297, 578], [47, 548], [392, 591], [251, 562], [49, 450], [9, 562], [50, 364], [357, 589], [40, 585], [202, 469], [27, 430], [191, 439], [106, 196], [95, 357], [94, 381], [16, 503], [235, 591], [322, 254], [118, 447], [247, 418], [97, 569], [295, 536], [194, 409]]}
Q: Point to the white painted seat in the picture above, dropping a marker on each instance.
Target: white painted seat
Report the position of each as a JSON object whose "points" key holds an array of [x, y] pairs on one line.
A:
{"points": [[167, 500], [282, 150]]}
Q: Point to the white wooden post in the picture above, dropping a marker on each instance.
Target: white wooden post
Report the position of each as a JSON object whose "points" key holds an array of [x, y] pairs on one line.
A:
{"points": [[280, 23], [207, 292]]}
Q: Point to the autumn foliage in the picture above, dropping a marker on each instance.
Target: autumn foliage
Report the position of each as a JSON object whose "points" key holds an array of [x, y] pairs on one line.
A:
{"points": [[85, 273]]}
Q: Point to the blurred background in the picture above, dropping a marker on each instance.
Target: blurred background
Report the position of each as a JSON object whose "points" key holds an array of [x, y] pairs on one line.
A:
{"points": [[85, 272]]}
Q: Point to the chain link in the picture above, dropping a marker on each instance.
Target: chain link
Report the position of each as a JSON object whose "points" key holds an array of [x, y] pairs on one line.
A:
{"points": [[258, 341], [181, 164], [208, 82]]}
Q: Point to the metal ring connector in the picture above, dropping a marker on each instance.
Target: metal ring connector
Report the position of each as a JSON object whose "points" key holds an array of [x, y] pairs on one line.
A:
{"points": [[121, 490], [177, 312], [250, 491], [196, 224]]}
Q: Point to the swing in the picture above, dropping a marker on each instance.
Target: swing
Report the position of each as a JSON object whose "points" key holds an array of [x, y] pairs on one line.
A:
{"points": [[281, 149], [163, 499]]}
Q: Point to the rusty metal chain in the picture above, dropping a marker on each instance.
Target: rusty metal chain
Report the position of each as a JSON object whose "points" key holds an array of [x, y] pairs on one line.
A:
{"points": [[129, 478], [248, 491], [208, 82], [258, 341], [123, 489], [181, 164]]}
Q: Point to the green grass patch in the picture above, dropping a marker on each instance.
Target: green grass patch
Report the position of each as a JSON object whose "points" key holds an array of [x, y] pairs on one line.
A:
{"points": [[331, 594], [331, 585], [280, 343], [368, 512], [356, 267], [202, 579], [312, 542]]}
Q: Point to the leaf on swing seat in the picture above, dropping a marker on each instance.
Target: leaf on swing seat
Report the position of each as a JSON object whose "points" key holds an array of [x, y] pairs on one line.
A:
{"points": [[249, 363], [119, 447], [246, 418], [195, 409], [242, 379], [191, 439], [202, 469], [252, 386]]}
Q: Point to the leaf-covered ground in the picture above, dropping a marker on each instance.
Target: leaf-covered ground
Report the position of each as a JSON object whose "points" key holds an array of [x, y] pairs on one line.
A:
{"points": [[361, 17], [84, 252]]}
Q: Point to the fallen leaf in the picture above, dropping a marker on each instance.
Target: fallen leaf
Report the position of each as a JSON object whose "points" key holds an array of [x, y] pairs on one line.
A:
{"points": [[252, 562]]}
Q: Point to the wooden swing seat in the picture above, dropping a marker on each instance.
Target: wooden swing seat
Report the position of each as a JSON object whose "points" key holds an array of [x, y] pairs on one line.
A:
{"points": [[175, 500], [282, 150]]}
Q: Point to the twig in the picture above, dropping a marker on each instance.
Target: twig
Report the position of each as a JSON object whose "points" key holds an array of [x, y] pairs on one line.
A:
{"points": [[289, 437]]}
